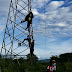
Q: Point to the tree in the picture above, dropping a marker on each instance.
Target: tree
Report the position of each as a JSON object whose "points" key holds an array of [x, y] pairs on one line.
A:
{"points": [[54, 58], [34, 57]]}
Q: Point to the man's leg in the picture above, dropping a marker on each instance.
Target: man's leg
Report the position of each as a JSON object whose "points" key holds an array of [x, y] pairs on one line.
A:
{"points": [[28, 25], [25, 39]]}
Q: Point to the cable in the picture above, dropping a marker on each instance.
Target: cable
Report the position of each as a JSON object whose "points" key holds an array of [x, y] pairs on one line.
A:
{"points": [[45, 23]]}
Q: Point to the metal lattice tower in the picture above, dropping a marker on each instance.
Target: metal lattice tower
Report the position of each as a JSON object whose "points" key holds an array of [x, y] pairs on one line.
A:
{"points": [[15, 30]]}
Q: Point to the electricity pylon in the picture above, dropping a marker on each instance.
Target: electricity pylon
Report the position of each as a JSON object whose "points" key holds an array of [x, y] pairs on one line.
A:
{"points": [[15, 30]]}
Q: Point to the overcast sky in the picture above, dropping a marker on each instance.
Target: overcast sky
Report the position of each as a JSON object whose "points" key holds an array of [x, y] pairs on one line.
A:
{"points": [[52, 26]]}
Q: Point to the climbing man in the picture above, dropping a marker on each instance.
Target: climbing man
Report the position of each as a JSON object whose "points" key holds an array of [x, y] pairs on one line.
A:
{"points": [[50, 68], [32, 48], [28, 18], [28, 39]]}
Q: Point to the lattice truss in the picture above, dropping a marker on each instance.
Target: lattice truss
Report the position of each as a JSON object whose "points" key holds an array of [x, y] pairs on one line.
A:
{"points": [[15, 30]]}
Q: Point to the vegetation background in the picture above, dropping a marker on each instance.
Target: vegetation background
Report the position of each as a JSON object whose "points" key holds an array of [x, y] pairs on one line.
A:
{"points": [[64, 64]]}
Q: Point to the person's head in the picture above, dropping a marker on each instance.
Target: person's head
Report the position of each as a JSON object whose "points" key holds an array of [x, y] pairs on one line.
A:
{"points": [[53, 61], [30, 13]]}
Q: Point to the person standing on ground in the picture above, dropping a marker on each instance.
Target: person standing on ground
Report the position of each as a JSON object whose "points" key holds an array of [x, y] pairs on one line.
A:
{"points": [[54, 65], [50, 68]]}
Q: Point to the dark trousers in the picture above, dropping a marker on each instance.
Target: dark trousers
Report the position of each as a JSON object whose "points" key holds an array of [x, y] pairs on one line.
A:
{"points": [[28, 24], [31, 51]]}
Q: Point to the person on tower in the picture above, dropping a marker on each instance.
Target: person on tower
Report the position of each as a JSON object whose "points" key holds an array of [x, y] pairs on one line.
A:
{"points": [[32, 48], [50, 68], [28, 18], [28, 39]]}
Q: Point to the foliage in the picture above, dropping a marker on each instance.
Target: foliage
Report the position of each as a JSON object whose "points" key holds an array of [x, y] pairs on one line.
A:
{"points": [[64, 64], [34, 57]]}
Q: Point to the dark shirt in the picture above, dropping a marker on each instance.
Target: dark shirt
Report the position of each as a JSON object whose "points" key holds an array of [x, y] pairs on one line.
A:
{"points": [[30, 15]]}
